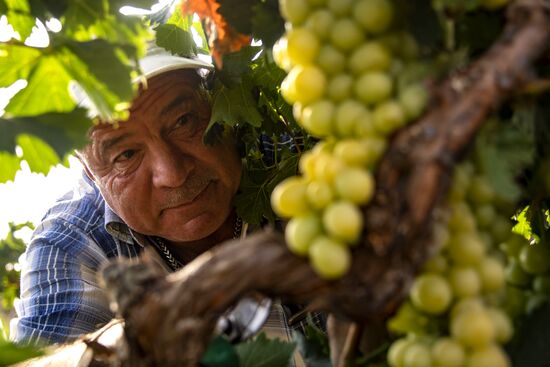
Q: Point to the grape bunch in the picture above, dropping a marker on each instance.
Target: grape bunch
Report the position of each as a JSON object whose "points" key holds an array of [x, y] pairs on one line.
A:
{"points": [[343, 59], [460, 297]]}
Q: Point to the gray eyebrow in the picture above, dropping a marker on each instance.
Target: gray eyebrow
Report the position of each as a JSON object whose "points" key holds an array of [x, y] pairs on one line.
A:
{"points": [[107, 144]]}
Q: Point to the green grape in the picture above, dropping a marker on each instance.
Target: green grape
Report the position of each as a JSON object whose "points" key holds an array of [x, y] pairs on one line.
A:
{"points": [[302, 46], [320, 22], [413, 99], [374, 15], [347, 115], [327, 167], [437, 264], [513, 245], [464, 282], [466, 305], [535, 259], [364, 127], [388, 117], [307, 164], [346, 34], [397, 350], [353, 152], [534, 302], [462, 219], [491, 273], [331, 60], [431, 293], [417, 355], [488, 356], [541, 284], [473, 328], [317, 2], [515, 274], [503, 325], [501, 228], [369, 56], [373, 87], [494, 4], [446, 352], [340, 87], [288, 199], [339, 7], [343, 220], [355, 185], [300, 233], [304, 84], [280, 54], [319, 194], [375, 147], [516, 300], [485, 215], [295, 11], [317, 118], [480, 191], [329, 258], [466, 249]]}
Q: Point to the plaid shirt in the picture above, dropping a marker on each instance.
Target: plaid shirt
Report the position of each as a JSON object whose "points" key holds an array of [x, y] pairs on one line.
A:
{"points": [[60, 296]]}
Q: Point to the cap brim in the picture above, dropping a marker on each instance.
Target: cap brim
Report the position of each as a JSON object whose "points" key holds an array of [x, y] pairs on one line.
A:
{"points": [[158, 64]]}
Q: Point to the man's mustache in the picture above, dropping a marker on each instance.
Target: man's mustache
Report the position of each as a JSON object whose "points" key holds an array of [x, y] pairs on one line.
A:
{"points": [[190, 189]]}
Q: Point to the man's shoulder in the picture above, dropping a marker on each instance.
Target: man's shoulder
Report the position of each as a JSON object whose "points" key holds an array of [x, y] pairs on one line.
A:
{"points": [[82, 207]]}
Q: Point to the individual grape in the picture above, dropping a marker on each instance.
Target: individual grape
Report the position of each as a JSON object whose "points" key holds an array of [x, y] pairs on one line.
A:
{"points": [[535, 258], [541, 284], [447, 353], [413, 99], [512, 246], [375, 147], [488, 356], [464, 282], [437, 264], [329, 258], [502, 323], [374, 15], [319, 194], [289, 198], [328, 167], [343, 221], [307, 164], [320, 22], [431, 293], [473, 328], [300, 233], [355, 185], [397, 350], [353, 152], [347, 115], [417, 355], [388, 117], [364, 127], [340, 87], [346, 34], [368, 57], [331, 60], [295, 11], [302, 46], [485, 215], [462, 219], [340, 7], [317, 2], [480, 191], [491, 273], [280, 54], [465, 305], [373, 87], [466, 249], [317, 118], [304, 84]]}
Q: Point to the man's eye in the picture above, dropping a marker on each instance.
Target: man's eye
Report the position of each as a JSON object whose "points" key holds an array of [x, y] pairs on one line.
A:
{"points": [[124, 156], [182, 120]]}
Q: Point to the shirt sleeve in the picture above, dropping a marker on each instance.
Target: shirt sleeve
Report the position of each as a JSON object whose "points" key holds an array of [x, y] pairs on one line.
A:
{"points": [[60, 296]]}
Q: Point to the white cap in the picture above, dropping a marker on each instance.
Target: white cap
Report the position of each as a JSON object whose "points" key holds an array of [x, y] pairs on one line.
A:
{"points": [[158, 61]]}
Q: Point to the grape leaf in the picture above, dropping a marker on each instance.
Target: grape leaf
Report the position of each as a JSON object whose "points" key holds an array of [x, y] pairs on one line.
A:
{"points": [[82, 14], [38, 154], [11, 353], [267, 23], [235, 105], [263, 352], [21, 22], [47, 91], [220, 353], [45, 9], [16, 62], [9, 164], [523, 225], [63, 131], [236, 65], [3, 7], [176, 40]]}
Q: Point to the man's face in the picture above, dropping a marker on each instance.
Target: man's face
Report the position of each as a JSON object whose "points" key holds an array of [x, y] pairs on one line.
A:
{"points": [[154, 170]]}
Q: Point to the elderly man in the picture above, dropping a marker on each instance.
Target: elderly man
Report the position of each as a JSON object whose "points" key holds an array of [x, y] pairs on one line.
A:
{"points": [[149, 182]]}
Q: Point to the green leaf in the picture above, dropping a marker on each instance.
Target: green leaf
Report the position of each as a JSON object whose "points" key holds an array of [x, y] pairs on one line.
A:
{"points": [[267, 23], [16, 62], [22, 23], [220, 353], [235, 105], [529, 348], [38, 154], [236, 65], [313, 347], [176, 40], [523, 225], [3, 7], [105, 65], [63, 131], [9, 165], [45, 9], [253, 201], [10, 353], [47, 91], [262, 352], [82, 14]]}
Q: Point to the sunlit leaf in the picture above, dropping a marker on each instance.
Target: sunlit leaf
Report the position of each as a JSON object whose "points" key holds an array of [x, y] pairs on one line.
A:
{"points": [[47, 91], [16, 62], [9, 165], [38, 154], [263, 352], [176, 40], [22, 23], [11, 353]]}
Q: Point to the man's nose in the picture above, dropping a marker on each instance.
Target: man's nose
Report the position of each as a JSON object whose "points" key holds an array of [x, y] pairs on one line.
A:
{"points": [[170, 166]]}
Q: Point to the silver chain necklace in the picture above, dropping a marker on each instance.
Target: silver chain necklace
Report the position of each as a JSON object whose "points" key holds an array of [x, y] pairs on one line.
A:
{"points": [[176, 264]]}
